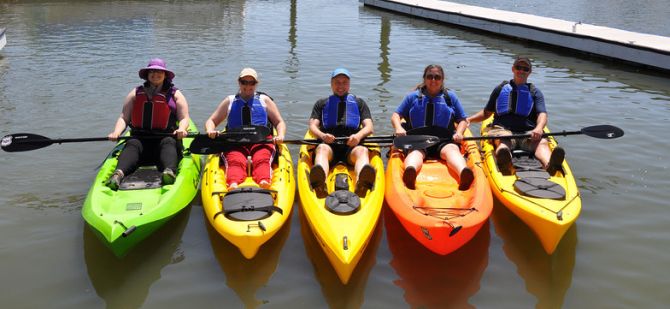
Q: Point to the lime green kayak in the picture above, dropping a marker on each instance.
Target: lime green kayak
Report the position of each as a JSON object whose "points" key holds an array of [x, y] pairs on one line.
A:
{"points": [[123, 218]]}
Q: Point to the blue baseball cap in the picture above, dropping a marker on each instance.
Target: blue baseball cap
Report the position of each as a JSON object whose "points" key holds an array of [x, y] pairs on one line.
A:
{"points": [[340, 71]]}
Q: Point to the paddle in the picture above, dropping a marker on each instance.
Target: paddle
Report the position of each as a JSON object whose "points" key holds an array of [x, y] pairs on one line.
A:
{"points": [[206, 145], [410, 142], [28, 141]]}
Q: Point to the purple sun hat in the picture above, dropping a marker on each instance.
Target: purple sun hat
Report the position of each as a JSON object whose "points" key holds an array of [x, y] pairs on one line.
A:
{"points": [[155, 64]]}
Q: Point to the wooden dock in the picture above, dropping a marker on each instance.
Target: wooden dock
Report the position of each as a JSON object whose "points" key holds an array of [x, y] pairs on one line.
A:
{"points": [[637, 48]]}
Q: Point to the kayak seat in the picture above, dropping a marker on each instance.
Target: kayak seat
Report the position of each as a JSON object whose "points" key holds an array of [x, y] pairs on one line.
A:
{"points": [[248, 204]]}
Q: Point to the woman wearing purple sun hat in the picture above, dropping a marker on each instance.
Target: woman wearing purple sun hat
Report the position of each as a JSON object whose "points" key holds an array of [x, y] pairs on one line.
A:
{"points": [[156, 106]]}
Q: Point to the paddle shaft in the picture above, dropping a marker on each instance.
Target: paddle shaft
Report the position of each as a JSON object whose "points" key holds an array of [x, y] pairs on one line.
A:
{"points": [[513, 136]]}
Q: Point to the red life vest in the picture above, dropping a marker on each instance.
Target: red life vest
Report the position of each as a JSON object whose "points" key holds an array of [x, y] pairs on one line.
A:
{"points": [[157, 113]]}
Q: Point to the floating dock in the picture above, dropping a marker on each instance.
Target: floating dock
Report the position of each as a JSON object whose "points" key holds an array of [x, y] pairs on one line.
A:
{"points": [[637, 48]]}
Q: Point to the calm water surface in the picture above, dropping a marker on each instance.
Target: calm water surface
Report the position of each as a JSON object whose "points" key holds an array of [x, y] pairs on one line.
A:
{"points": [[68, 65]]}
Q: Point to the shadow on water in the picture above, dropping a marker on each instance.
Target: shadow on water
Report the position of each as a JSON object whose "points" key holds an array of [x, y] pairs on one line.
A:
{"points": [[338, 295], [246, 276], [547, 277], [436, 281], [125, 282]]}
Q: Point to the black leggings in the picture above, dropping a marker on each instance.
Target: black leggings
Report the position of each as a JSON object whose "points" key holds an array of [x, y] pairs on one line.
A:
{"points": [[164, 153]]}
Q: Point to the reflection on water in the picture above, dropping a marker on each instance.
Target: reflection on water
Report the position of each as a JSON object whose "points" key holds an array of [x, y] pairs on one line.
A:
{"points": [[338, 295], [246, 276], [547, 277], [436, 281], [293, 62], [384, 66], [125, 282]]}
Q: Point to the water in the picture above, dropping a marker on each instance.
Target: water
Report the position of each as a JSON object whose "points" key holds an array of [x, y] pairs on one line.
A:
{"points": [[68, 65]]}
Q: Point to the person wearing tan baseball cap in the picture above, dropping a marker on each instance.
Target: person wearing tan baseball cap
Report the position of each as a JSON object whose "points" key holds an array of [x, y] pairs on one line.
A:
{"points": [[518, 107], [248, 108]]}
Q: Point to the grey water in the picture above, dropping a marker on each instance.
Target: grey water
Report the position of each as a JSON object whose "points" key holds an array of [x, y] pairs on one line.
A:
{"points": [[68, 65]]}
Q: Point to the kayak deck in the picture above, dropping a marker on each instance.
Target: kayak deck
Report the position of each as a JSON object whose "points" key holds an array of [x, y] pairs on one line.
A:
{"points": [[123, 218], [342, 236], [548, 218], [436, 213], [248, 234]]}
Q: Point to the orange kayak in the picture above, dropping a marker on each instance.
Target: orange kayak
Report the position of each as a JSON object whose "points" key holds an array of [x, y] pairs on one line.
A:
{"points": [[436, 213]]}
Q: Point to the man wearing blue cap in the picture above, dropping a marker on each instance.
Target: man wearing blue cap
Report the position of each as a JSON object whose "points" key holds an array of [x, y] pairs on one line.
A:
{"points": [[341, 115]]}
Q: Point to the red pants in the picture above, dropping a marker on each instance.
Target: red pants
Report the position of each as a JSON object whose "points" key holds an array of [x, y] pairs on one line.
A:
{"points": [[261, 159]]}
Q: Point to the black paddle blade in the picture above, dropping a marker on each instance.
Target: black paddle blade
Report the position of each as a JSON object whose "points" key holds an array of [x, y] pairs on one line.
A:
{"points": [[204, 145], [603, 131], [245, 135], [411, 142], [24, 142]]}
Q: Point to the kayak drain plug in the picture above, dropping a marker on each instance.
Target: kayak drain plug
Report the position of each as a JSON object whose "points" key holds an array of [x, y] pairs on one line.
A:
{"points": [[128, 230]]}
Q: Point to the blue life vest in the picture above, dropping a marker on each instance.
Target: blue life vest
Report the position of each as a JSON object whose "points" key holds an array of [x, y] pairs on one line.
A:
{"points": [[243, 113], [442, 115], [522, 106], [352, 117]]}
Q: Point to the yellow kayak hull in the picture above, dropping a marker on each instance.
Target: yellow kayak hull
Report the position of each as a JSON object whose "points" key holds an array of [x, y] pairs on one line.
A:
{"points": [[343, 238], [549, 219], [248, 236]]}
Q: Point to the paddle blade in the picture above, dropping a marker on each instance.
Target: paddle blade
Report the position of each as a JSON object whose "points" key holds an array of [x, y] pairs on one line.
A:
{"points": [[24, 142], [245, 135], [204, 145], [603, 131], [411, 142]]}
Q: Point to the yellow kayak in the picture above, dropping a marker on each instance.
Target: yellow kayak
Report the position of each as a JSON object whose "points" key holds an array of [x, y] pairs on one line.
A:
{"points": [[548, 205], [343, 236], [248, 216]]}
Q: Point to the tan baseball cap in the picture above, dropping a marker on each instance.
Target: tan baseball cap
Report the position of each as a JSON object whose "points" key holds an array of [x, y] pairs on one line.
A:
{"points": [[249, 72]]}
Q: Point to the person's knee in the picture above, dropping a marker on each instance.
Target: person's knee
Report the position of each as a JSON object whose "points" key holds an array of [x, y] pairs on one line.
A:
{"points": [[169, 141], [135, 143]]}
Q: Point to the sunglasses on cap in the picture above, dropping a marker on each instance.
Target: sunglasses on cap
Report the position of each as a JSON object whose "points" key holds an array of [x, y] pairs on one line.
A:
{"points": [[522, 68], [248, 82], [434, 77]]}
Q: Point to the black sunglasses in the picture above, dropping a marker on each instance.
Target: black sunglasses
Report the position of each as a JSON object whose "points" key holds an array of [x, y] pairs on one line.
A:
{"points": [[434, 77], [248, 82], [522, 68]]}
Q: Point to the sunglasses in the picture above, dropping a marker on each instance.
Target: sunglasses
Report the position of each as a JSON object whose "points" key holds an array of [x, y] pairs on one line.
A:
{"points": [[522, 68], [248, 82], [434, 77]]}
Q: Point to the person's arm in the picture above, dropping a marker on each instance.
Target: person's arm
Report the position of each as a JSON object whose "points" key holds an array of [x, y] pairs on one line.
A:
{"points": [[460, 117], [487, 111], [367, 129], [536, 133], [542, 117], [314, 125], [399, 114], [276, 119], [479, 116], [367, 124], [216, 118], [182, 115], [124, 119]]}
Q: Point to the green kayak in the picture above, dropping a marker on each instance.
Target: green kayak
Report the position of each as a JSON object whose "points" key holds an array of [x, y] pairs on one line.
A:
{"points": [[123, 218]]}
